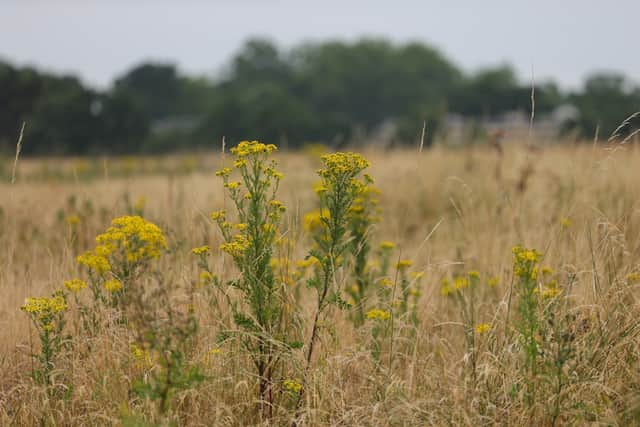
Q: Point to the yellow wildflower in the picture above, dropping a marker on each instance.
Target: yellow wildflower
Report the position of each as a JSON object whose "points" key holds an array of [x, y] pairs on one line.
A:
{"points": [[376, 314], [72, 219], [113, 285], [387, 245], [483, 328], [461, 283], [223, 172], [403, 264], [217, 215], [292, 386], [201, 250], [75, 285]]}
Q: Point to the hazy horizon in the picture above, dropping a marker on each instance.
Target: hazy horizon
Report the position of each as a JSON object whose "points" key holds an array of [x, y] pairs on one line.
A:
{"points": [[99, 40]]}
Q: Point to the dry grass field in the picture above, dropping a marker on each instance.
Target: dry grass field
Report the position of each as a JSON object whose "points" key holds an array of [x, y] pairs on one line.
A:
{"points": [[484, 336]]}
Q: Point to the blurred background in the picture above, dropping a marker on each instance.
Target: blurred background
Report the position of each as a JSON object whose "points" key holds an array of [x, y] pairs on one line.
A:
{"points": [[125, 77]]}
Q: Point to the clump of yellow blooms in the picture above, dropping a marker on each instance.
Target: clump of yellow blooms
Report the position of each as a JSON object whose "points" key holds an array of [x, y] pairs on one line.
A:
{"points": [[96, 263], [387, 245], [130, 239], [445, 288], [75, 285], [342, 164], [72, 220], [248, 148], [46, 313], [236, 246], [461, 283], [292, 386], [633, 277], [217, 215], [404, 264], [550, 290], [377, 314], [113, 285], [44, 306], [493, 281], [201, 250], [528, 255], [483, 328], [141, 356], [314, 221]]}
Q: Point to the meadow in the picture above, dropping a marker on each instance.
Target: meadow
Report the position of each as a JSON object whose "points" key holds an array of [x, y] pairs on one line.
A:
{"points": [[468, 286]]}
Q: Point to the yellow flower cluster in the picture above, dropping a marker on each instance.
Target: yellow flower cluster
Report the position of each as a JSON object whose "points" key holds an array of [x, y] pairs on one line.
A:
{"points": [[461, 283], [342, 164], [483, 328], [248, 148], [205, 278], [377, 314], [113, 285], [72, 219], [314, 221], [98, 263], [44, 307], [237, 246], [387, 245], [526, 255], [550, 290], [524, 262], [75, 285], [200, 250], [292, 386], [132, 236], [404, 264], [141, 356], [493, 282]]}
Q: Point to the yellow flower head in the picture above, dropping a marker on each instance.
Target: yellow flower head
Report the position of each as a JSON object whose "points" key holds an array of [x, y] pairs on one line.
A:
{"points": [[404, 264], [113, 285], [252, 148], [217, 215], [483, 328], [237, 246], [201, 250], [97, 263], [75, 285], [376, 314], [461, 283], [223, 172], [131, 236], [387, 245], [314, 221], [292, 386], [45, 306], [72, 219]]}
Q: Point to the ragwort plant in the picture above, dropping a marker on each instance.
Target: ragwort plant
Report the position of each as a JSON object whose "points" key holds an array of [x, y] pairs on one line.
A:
{"points": [[362, 216], [262, 317], [340, 186], [48, 317], [122, 255]]}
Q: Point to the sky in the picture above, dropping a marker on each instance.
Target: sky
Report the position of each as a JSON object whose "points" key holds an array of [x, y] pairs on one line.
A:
{"points": [[101, 39]]}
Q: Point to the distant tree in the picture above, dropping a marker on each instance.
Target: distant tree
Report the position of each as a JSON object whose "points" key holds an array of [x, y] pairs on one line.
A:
{"points": [[605, 102], [154, 88], [490, 92]]}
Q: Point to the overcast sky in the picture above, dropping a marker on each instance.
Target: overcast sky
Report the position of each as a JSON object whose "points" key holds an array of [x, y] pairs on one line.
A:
{"points": [[100, 39]]}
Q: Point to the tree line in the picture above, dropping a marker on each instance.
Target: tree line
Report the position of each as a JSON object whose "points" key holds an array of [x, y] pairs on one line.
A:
{"points": [[331, 92]]}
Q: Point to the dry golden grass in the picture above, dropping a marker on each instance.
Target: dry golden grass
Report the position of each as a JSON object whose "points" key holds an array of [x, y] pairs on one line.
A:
{"points": [[447, 210]]}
